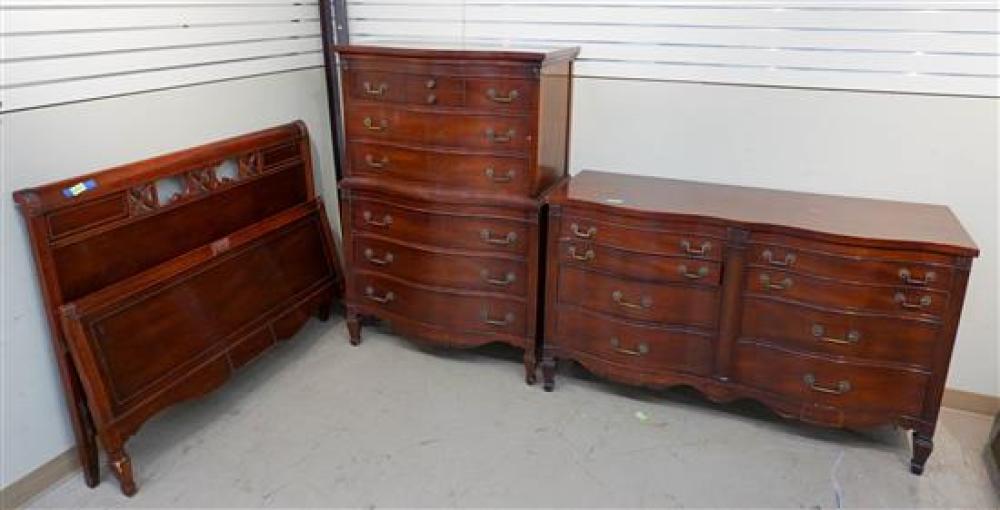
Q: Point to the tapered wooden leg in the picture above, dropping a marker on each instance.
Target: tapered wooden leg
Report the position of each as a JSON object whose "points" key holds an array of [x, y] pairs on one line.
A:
{"points": [[121, 466], [548, 372], [83, 424], [354, 326], [87, 450], [923, 444], [530, 366]]}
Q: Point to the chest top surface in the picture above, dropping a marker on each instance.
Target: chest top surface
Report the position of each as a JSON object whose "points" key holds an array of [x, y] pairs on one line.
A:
{"points": [[460, 51], [930, 226]]}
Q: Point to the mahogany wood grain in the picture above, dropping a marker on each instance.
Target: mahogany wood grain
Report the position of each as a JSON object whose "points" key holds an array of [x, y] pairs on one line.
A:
{"points": [[499, 133], [827, 310]]}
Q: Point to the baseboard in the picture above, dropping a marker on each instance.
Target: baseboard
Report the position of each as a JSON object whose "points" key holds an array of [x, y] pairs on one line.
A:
{"points": [[32, 484], [971, 402]]}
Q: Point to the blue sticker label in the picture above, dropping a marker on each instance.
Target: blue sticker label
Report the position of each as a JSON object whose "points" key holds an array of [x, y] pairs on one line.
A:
{"points": [[79, 188]]}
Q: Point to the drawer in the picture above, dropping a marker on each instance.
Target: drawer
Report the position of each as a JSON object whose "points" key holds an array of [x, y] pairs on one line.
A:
{"points": [[451, 311], [488, 174], [803, 259], [663, 303], [841, 384], [698, 241], [435, 89], [648, 348], [441, 229], [639, 265], [869, 337], [820, 291], [488, 274], [449, 129]]}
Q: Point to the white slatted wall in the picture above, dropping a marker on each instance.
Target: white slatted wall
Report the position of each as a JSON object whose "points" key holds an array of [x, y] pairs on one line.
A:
{"points": [[58, 51], [938, 47]]}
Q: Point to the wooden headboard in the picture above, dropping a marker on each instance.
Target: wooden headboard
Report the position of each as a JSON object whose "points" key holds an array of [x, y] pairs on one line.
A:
{"points": [[92, 231]]}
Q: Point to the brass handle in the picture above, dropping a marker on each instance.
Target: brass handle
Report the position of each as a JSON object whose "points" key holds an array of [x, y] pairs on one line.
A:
{"points": [[768, 257], [765, 280], [431, 83], [587, 255], [505, 321], [385, 222], [384, 261], [496, 97], [819, 331], [380, 91], [641, 350], [376, 164], [644, 301], [487, 236], [491, 175], [924, 302], [701, 273], [492, 136], [907, 277], [702, 250], [507, 280], [431, 99], [589, 233], [370, 294], [841, 387], [371, 126]]}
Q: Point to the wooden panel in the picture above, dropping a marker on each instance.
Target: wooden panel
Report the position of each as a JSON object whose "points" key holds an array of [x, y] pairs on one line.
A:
{"points": [[666, 238], [641, 266], [456, 129]]}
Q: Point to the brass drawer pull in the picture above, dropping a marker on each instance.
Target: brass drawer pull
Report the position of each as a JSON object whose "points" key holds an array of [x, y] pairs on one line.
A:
{"points": [[641, 350], [507, 319], [431, 83], [768, 257], [924, 302], [385, 222], [492, 136], [384, 261], [765, 280], [841, 387], [376, 164], [431, 99], [370, 294], [507, 280], [583, 234], [491, 175], [703, 250], [701, 273], [487, 236], [587, 255], [907, 277], [371, 126], [644, 302], [496, 97], [818, 331], [377, 92]]}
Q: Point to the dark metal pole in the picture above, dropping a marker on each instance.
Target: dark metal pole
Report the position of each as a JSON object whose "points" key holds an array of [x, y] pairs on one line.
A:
{"points": [[333, 21]]}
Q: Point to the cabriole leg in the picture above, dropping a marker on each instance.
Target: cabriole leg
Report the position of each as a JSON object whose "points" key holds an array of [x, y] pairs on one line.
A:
{"points": [[354, 326], [548, 372], [530, 366], [923, 444], [121, 466]]}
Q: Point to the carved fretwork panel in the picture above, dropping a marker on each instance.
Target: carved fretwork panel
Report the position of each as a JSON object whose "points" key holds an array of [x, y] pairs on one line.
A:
{"points": [[200, 181], [250, 165], [142, 199]]}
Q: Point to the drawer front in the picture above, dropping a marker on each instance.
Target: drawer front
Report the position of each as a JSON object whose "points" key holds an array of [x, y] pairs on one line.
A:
{"points": [[806, 289], [479, 131], [644, 347], [663, 303], [488, 274], [859, 336], [456, 312], [445, 230], [706, 242], [853, 269], [638, 265], [435, 89], [840, 384], [489, 174]]}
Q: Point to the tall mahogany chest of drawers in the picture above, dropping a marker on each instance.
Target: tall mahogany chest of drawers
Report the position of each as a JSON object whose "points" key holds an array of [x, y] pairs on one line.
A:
{"points": [[831, 310], [447, 152]]}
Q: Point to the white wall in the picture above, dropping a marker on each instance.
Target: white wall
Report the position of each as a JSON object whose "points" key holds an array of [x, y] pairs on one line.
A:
{"points": [[52, 143], [918, 148]]}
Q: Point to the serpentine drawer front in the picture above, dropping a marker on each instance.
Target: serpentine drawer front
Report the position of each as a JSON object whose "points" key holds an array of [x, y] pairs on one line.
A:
{"points": [[447, 152], [845, 316]]}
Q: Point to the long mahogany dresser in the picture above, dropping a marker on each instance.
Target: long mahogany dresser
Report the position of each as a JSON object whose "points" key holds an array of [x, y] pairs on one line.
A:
{"points": [[447, 153], [831, 310]]}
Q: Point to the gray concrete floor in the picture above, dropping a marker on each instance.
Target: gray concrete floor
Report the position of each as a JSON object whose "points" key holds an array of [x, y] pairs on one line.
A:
{"points": [[319, 423]]}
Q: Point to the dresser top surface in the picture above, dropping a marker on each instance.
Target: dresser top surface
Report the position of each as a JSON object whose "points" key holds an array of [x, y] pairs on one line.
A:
{"points": [[857, 218], [460, 51]]}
